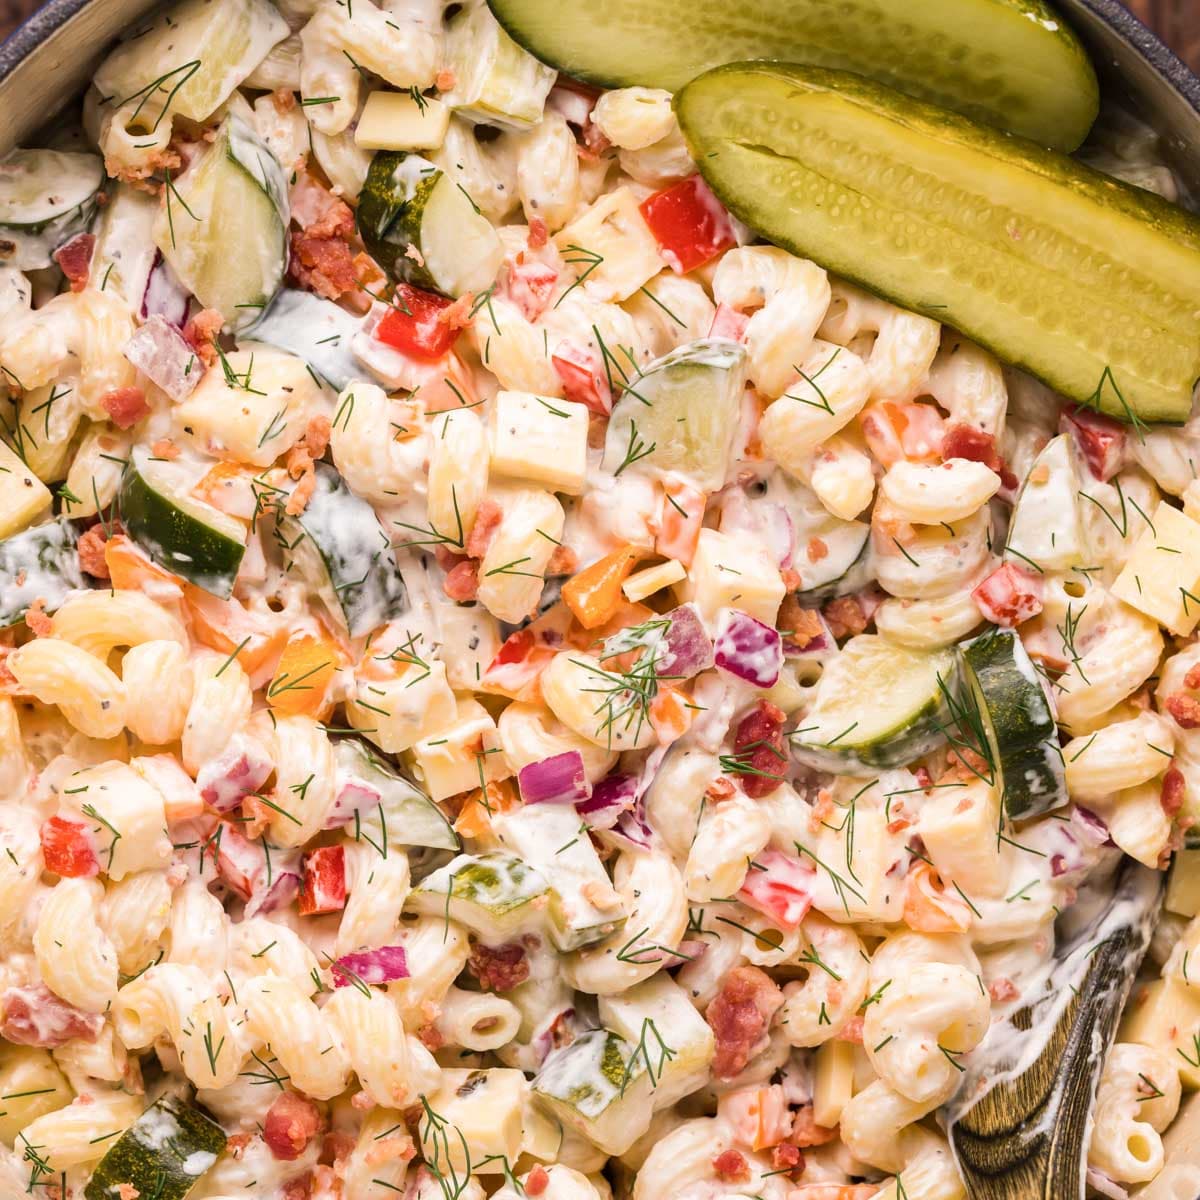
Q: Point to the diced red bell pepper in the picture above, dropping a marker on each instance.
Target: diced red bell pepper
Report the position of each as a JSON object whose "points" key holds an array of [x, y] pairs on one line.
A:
{"points": [[324, 889], [1099, 439], [530, 286], [728, 323], [779, 886], [1009, 595], [583, 377], [688, 223], [67, 849], [421, 332]]}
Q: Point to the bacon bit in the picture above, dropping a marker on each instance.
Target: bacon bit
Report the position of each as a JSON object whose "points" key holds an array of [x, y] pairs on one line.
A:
{"points": [[316, 435], [237, 1143], [302, 493], [537, 1181], [739, 1016], [323, 265], [126, 406], [792, 579], [498, 968], [336, 221], [728, 323], [539, 234], [845, 615], [91, 552], [564, 561], [1002, 990], [38, 623], [800, 626], [164, 448], [284, 100], [1174, 789], [720, 788], [75, 259], [807, 1133], [923, 777], [336, 1144], [431, 1037], [126, 1191], [758, 745], [291, 1123], [462, 582], [201, 332], [1185, 709], [142, 175], [816, 550], [487, 520], [1192, 678], [35, 1016], [445, 80], [731, 1166], [256, 817], [852, 1031], [786, 1157]]}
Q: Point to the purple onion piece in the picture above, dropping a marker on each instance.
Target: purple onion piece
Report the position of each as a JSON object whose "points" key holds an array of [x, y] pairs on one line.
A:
{"points": [[610, 798], [1090, 827], [379, 966], [237, 772], [160, 352], [354, 796], [632, 829], [687, 649], [283, 889], [165, 296], [1058, 865], [748, 649], [560, 779]]}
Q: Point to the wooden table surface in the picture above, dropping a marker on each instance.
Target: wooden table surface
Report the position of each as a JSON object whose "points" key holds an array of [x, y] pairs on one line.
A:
{"points": [[1177, 22]]}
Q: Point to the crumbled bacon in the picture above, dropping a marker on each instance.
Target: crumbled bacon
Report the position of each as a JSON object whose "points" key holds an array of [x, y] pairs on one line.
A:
{"points": [[284, 99], [739, 1016], [1192, 678], [445, 80], [291, 1123], [38, 623], [336, 221], [799, 626], [75, 259], [786, 1157], [164, 448], [324, 265], [35, 1016], [537, 1181], [498, 968], [563, 561], [1185, 709], [201, 332], [431, 1037], [845, 615], [126, 406], [852, 1031], [1002, 990], [1174, 789], [125, 1191], [91, 552], [462, 581], [806, 1132], [539, 233], [731, 1166], [337, 1144], [302, 493], [487, 521], [970, 442], [758, 749]]}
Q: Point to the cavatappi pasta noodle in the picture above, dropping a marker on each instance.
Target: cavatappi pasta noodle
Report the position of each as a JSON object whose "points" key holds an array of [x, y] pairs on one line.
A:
{"points": [[510, 687]]}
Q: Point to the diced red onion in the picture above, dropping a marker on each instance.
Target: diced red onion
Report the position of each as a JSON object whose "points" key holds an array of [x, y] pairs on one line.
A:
{"points": [[378, 967], [1090, 827], [159, 351], [237, 772], [631, 828], [354, 796], [748, 649], [687, 648], [560, 779], [1104, 1186], [165, 296], [279, 893], [612, 796]]}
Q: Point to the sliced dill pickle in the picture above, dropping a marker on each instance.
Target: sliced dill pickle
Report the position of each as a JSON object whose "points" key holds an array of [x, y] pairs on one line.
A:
{"points": [[1013, 64], [1088, 283]]}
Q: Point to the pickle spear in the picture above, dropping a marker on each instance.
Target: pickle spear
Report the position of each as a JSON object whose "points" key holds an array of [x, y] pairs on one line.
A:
{"points": [[1087, 283], [1013, 64]]}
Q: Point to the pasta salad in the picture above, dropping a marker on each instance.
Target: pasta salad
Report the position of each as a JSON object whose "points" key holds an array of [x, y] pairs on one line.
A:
{"points": [[512, 685]]}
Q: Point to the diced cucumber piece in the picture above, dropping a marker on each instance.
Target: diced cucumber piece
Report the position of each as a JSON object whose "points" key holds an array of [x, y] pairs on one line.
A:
{"points": [[877, 705], [845, 567], [553, 840], [187, 58], [41, 562], [599, 1086], [1047, 530], [338, 545], [1009, 63], [313, 329], [223, 225], [495, 895], [497, 82], [1088, 283], [1017, 721], [186, 536], [162, 1154], [680, 414], [46, 198], [406, 204], [409, 817]]}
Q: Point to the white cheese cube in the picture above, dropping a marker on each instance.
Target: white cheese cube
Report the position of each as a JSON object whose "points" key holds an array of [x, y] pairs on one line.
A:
{"points": [[613, 246], [734, 572], [22, 493], [1162, 576], [399, 121], [1166, 1014], [452, 760], [1183, 890], [395, 713], [653, 579], [833, 1082], [541, 440], [958, 826], [486, 1108]]}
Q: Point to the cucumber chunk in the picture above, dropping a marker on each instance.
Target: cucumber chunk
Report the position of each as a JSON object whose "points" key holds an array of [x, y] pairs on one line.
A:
{"points": [[845, 567], [339, 547], [1047, 530], [192, 539], [680, 414], [1088, 283], [38, 562], [1017, 722], [162, 1154], [408, 203], [1010, 63], [46, 198], [877, 705], [223, 226], [187, 58], [408, 817], [495, 895], [313, 329]]}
